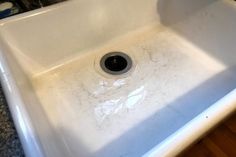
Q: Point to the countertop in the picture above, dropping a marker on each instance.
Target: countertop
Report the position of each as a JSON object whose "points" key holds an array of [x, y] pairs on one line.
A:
{"points": [[10, 145]]}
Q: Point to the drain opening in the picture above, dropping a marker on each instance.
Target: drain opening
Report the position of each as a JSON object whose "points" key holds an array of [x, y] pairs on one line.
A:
{"points": [[116, 63]]}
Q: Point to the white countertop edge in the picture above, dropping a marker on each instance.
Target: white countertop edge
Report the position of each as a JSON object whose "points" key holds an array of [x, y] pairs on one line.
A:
{"points": [[196, 128], [18, 111]]}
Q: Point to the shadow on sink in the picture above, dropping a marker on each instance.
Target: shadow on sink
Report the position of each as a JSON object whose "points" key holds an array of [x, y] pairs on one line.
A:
{"points": [[140, 139], [212, 29]]}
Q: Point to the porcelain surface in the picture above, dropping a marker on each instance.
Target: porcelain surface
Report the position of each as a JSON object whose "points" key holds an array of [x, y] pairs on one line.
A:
{"points": [[181, 83]]}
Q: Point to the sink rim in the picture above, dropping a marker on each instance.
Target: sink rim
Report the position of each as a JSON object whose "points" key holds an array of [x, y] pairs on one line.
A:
{"points": [[196, 128], [21, 118], [35, 12]]}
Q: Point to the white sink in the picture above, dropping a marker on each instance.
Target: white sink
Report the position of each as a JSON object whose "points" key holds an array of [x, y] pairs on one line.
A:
{"points": [[181, 83]]}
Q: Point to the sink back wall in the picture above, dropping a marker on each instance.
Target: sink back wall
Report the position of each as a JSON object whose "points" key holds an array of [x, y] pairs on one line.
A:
{"points": [[96, 22]]}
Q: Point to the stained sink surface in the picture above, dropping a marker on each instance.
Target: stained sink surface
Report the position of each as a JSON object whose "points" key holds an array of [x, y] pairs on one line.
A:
{"points": [[182, 82]]}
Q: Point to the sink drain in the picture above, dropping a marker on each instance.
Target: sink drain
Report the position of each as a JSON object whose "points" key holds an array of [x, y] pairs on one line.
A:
{"points": [[116, 63]]}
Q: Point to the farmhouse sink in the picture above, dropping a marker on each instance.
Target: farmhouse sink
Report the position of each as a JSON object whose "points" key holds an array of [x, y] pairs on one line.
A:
{"points": [[127, 78]]}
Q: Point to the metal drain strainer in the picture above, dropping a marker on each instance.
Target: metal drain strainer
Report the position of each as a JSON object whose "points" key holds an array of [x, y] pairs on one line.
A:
{"points": [[116, 63]]}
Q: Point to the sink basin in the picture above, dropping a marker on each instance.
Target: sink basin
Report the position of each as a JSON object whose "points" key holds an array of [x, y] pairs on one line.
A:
{"points": [[180, 84]]}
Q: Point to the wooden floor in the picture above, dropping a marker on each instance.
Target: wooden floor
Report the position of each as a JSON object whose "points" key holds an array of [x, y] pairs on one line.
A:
{"points": [[221, 142]]}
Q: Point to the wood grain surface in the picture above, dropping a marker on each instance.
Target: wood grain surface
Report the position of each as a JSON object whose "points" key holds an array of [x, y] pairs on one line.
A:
{"points": [[220, 142]]}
